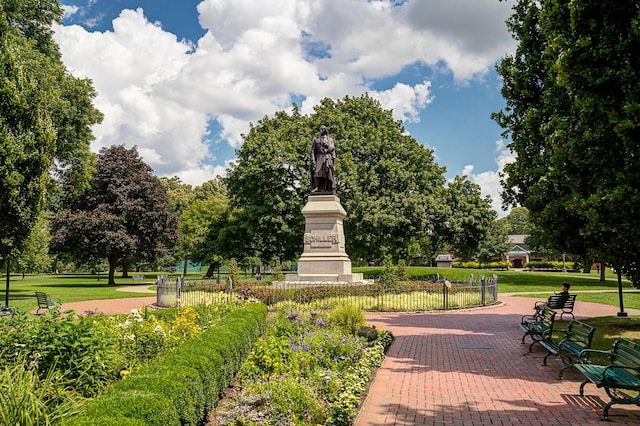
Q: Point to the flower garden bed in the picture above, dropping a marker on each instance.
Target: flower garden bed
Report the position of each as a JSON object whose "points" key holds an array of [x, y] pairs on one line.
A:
{"points": [[311, 367], [171, 367]]}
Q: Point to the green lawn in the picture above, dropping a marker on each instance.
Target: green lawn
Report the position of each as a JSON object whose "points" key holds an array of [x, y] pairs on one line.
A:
{"points": [[66, 287], [516, 281], [78, 287]]}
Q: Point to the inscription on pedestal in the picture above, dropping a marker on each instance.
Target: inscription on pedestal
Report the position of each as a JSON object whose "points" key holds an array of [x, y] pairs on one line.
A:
{"points": [[321, 240]]}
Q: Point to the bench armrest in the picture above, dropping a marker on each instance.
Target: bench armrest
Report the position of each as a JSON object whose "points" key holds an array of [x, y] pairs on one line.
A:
{"points": [[619, 367], [584, 354], [530, 319], [539, 304]]}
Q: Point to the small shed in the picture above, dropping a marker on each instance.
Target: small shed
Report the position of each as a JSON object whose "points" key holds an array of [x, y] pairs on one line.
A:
{"points": [[444, 261]]}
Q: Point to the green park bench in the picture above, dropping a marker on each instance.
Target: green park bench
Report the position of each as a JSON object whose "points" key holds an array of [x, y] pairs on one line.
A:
{"points": [[558, 302], [46, 302], [538, 326], [620, 376], [577, 337]]}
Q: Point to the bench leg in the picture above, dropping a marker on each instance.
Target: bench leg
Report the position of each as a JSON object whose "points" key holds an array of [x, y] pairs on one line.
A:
{"points": [[564, 367], [605, 412], [584, 382], [544, 360], [568, 363], [615, 400]]}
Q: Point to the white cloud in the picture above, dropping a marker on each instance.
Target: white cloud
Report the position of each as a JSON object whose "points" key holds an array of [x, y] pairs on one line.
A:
{"points": [[161, 94], [489, 181], [69, 10], [405, 101]]}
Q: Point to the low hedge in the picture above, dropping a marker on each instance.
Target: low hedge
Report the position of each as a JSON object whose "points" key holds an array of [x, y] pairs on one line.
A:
{"points": [[478, 265], [182, 386], [549, 265]]}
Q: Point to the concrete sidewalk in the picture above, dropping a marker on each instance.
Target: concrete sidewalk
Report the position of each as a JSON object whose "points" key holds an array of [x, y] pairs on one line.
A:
{"points": [[469, 368]]}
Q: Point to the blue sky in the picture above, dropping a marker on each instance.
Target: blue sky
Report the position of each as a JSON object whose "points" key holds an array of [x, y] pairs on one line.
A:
{"points": [[183, 79]]}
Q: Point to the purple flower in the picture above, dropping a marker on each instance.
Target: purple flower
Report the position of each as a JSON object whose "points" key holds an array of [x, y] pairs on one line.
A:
{"points": [[292, 316]]}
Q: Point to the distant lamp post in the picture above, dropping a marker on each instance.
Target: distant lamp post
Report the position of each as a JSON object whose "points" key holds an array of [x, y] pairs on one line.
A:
{"points": [[622, 313], [564, 267]]}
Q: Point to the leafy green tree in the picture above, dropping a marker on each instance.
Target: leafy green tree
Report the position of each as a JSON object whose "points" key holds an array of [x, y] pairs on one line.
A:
{"points": [[180, 197], [471, 217], [495, 243], [35, 255], [201, 224], [45, 119], [180, 194], [388, 183], [123, 217], [517, 222], [573, 115]]}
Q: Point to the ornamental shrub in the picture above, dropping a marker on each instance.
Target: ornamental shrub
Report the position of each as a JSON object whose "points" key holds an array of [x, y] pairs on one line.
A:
{"points": [[180, 386], [82, 350], [347, 316], [151, 408], [25, 399]]}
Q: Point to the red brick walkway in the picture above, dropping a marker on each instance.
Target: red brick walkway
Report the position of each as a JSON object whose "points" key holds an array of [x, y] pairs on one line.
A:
{"points": [[469, 368], [463, 368]]}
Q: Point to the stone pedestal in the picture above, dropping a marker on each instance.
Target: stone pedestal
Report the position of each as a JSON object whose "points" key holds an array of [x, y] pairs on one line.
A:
{"points": [[324, 257]]}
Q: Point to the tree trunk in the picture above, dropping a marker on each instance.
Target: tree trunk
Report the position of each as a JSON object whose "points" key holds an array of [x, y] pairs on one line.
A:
{"points": [[602, 278], [186, 266], [6, 294], [112, 272], [125, 269], [211, 270]]}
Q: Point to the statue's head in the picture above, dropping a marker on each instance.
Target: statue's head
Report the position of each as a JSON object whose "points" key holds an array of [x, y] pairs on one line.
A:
{"points": [[323, 130]]}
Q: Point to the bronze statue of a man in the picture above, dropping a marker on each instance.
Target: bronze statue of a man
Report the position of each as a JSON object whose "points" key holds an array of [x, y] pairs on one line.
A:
{"points": [[323, 152]]}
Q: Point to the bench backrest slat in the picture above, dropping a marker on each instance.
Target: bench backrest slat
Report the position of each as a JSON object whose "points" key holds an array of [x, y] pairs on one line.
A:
{"points": [[568, 304], [548, 316], [43, 298], [580, 332], [561, 301], [625, 353], [547, 319]]}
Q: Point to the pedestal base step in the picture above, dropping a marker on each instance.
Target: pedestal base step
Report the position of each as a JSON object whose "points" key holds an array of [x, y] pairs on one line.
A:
{"points": [[327, 278]]}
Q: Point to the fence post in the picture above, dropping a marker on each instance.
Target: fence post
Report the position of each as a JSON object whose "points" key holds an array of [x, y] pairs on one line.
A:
{"points": [[159, 292], [495, 287], [445, 291], [230, 289], [179, 282], [483, 291]]}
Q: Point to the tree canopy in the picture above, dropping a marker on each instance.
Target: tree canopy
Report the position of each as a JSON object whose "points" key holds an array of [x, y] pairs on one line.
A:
{"points": [[392, 189], [45, 118], [573, 116], [203, 221], [123, 217]]}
